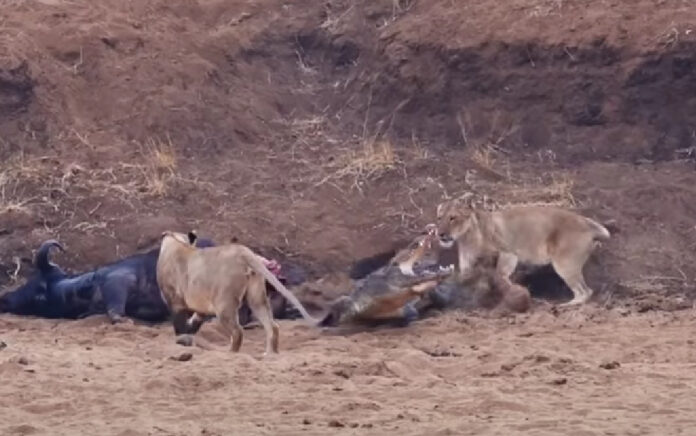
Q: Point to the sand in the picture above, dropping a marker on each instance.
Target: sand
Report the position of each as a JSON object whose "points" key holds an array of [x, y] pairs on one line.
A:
{"points": [[587, 371]]}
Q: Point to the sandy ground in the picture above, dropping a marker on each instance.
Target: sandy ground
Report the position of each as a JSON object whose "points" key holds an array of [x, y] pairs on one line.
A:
{"points": [[587, 371]]}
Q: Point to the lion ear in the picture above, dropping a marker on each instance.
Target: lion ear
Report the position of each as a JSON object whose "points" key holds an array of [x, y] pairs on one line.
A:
{"points": [[441, 208], [192, 236]]}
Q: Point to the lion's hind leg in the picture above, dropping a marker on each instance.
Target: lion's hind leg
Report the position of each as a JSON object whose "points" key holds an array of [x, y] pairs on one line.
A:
{"points": [[568, 260], [261, 308], [228, 314]]}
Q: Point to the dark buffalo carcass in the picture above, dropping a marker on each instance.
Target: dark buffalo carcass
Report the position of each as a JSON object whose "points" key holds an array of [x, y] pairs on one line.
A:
{"points": [[127, 287], [50, 292]]}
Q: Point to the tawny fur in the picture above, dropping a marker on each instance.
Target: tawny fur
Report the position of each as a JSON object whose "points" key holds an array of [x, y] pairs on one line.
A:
{"points": [[533, 235], [215, 280]]}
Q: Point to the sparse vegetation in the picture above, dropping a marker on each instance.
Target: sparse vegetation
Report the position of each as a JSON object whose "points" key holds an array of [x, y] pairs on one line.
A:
{"points": [[159, 170], [367, 163]]}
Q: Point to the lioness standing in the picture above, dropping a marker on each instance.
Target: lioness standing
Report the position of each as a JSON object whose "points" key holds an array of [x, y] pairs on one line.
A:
{"points": [[214, 280], [535, 235]]}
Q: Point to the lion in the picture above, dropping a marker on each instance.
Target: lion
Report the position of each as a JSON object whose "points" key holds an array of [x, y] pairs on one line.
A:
{"points": [[534, 235], [215, 280]]}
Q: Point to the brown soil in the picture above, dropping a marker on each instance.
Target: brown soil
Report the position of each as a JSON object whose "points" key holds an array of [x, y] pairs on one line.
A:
{"points": [[320, 132], [588, 371]]}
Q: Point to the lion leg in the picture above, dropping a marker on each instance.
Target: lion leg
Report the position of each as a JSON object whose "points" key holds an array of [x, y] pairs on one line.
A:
{"points": [[229, 319], [569, 259], [261, 308], [507, 262], [573, 278]]}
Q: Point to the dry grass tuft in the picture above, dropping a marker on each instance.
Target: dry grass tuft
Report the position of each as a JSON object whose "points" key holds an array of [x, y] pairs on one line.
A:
{"points": [[15, 178], [556, 191], [373, 160], [490, 159], [11, 199], [159, 170]]}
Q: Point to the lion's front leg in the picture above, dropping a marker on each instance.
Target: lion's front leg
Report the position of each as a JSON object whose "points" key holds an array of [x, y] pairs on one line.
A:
{"points": [[507, 262], [467, 257]]}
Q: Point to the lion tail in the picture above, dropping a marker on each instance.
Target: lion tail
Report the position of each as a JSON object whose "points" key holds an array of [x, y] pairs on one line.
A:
{"points": [[601, 232], [257, 265]]}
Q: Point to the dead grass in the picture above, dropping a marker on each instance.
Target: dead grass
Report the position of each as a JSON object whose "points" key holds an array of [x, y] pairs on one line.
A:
{"points": [[16, 178], [507, 189], [31, 186], [159, 169], [11, 199], [372, 160]]}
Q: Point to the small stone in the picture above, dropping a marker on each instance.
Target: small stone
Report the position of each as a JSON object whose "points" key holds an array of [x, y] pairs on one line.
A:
{"points": [[23, 361], [342, 373], [508, 366], [336, 423], [3, 345], [610, 365], [306, 421], [559, 381], [183, 357]]}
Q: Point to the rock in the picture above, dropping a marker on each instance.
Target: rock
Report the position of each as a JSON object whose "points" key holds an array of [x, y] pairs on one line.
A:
{"points": [[342, 373], [507, 367], [559, 381], [183, 357], [23, 361], [336, 423], [610, 365], [3, 345]]}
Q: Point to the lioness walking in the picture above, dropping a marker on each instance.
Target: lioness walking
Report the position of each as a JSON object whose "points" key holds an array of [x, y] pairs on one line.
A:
{"points": [[214, 281], [535, 235]]}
